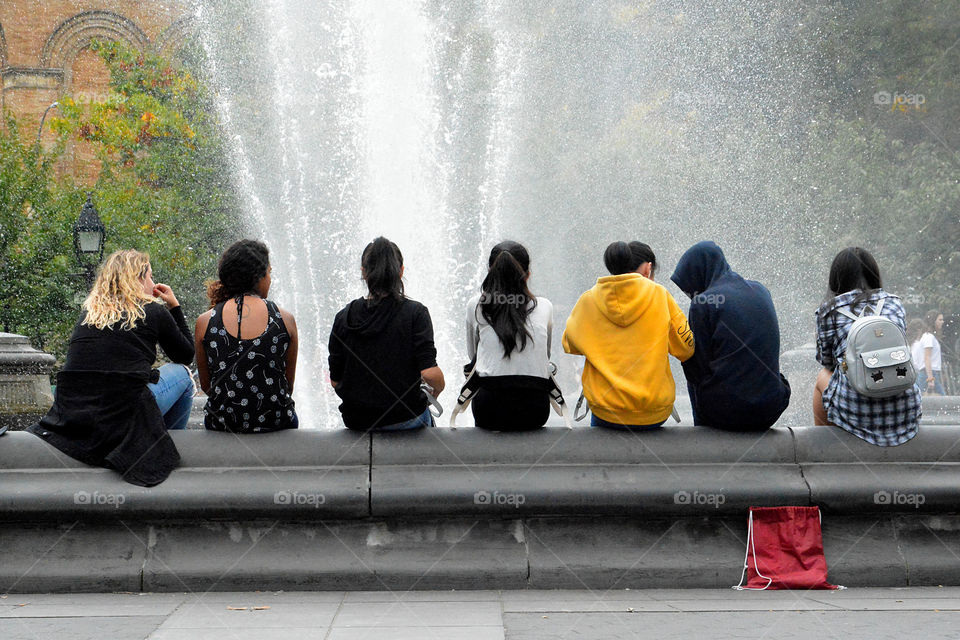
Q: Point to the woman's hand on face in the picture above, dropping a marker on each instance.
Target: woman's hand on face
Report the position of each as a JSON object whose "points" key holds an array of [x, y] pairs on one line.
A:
{"points": [[165, 293]]}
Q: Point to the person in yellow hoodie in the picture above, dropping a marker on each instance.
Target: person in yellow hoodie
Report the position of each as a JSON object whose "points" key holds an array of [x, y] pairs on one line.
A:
{"points": [[626, 325]]}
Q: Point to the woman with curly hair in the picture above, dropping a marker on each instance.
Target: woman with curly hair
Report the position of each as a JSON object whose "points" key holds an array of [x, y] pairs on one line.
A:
{"points": [[246, 347], [112, 408]]}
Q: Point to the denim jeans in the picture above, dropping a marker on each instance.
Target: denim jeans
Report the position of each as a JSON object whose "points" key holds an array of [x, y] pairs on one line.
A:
{"points": [[174, 394], [600, 422], [425, 419], [937, 382]]}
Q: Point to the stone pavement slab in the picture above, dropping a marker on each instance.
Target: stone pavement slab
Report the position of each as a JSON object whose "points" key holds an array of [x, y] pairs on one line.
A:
{"points": [[561, 604], [423, 596], [105, 609], [419, 614], [790, 625], [289, 633], [86, 628], [204, 615], [854, 614], [416, 633]]}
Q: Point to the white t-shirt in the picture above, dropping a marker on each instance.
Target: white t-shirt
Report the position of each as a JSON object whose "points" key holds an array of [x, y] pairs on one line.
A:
{"points": [[483, 343], [927, 340]]}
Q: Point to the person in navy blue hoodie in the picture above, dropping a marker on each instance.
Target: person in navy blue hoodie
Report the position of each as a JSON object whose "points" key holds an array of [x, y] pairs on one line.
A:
{"points": [[734, 377]]}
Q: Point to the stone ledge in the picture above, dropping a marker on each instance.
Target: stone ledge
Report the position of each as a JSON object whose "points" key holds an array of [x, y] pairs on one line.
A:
{"points": [[678, 471], [340, 510], [455, 553]]}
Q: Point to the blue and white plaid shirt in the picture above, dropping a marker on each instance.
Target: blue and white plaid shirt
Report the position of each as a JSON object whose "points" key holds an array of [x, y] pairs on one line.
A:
{"points": [[882, 421]]}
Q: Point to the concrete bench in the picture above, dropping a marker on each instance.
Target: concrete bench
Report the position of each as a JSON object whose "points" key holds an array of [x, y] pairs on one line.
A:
{"points": [[676, 470], [473, 509], [221, 476]]}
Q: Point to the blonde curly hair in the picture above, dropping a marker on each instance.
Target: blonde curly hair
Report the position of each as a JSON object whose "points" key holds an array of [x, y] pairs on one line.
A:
{"points": [[117, 295]]}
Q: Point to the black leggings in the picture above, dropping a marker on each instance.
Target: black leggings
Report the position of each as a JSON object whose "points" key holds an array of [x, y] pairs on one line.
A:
{"points": [[510, 409]]}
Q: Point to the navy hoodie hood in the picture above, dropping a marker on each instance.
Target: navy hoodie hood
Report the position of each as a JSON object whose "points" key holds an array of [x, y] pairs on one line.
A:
{"points": [[734, 376], [700, 267]]}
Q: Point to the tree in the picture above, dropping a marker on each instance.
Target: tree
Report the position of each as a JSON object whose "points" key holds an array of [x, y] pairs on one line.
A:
{"points": [[37, 289], [164, 183]]}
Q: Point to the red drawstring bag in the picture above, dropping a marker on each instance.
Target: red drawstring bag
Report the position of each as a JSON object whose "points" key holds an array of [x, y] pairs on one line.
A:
{"points": [[786, 548]]}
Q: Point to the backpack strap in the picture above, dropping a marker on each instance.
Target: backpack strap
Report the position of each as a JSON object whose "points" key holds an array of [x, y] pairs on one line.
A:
{"points": [[467, 391], [581, 402], [848, 313], [879, 307], [877, 310], [556, 398], [435, 407]]}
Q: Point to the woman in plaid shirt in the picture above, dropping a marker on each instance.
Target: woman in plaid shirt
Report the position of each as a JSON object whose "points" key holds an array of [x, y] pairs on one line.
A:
{"points": [[855, 283]]}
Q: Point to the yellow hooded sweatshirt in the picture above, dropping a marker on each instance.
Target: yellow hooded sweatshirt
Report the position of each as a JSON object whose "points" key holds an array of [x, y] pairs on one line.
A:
{"points": [[625, 326]]}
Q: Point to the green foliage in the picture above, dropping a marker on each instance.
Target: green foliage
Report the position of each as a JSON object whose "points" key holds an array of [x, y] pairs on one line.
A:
{"points": [[163, 188], [164, 185], [36, 286]]}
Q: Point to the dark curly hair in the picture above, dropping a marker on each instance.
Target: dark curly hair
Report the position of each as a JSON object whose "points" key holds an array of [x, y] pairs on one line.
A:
{"points": [[241, 267]]}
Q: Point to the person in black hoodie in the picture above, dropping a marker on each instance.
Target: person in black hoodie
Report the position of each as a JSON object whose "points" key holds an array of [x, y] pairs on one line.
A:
{"points": [[381, 350], [734, 377]]}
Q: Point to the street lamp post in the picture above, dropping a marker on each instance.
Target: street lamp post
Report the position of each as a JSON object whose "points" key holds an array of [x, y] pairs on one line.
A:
{"points": [[42, 119], [89, 235]]}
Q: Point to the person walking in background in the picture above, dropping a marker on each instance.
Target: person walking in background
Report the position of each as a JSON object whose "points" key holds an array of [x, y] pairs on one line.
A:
{"points": [[927, 353], [381, 350], [246, 347], [112, 408], [508, 342], [626, 326], [733, 377], [854, 284]]}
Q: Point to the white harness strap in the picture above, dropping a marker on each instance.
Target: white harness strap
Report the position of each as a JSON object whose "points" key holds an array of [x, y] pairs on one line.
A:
{"points": [[469, 389], [556, 398], [464, 399], [435, 407]]}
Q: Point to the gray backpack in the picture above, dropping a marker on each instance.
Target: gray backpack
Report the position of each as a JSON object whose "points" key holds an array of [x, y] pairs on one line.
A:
{"points": [[877, 360]]}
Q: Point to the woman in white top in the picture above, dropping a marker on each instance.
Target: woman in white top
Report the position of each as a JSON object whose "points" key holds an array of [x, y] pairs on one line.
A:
{"points": [[508, 341], [926, 353]]}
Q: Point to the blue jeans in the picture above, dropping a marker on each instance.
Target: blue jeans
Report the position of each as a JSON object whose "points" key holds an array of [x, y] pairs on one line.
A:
{"points": [[600, 422], [937, 382], [174, 394], [425, 419]]}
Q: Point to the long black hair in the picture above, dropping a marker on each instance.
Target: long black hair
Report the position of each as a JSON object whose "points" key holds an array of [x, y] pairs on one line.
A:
{"points": [[930, 321], [626, 257], [505, 301], [382, 263], [854, 268], [241, 267]]}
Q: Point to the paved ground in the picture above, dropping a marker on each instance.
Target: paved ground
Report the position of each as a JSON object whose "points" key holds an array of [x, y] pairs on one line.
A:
{"points": [[901, 614]]}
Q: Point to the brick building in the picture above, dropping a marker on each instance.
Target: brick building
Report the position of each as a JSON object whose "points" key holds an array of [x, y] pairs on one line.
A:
{"points": [[45, 53]]}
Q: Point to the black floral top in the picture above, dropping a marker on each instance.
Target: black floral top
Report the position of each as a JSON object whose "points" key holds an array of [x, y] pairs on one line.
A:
{"points": [[249, 391]]}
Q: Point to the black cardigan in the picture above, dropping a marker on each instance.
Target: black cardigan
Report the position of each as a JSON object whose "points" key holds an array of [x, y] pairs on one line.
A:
{"points": [[104, 414]]}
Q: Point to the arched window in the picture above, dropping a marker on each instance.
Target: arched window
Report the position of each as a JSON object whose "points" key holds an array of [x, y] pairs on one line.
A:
{"points": [[75, 34], [175, 36]]}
